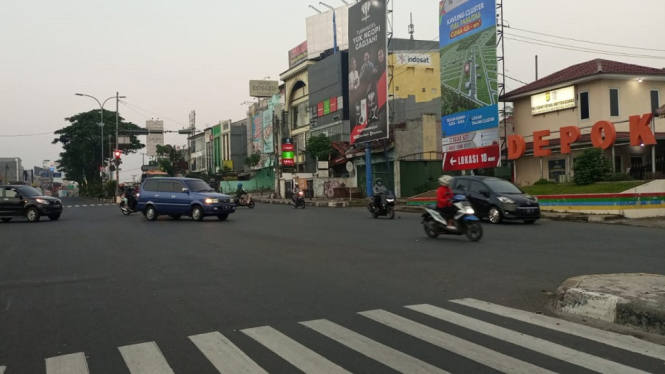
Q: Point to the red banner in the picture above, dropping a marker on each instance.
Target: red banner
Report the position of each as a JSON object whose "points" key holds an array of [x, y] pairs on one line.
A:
{"points": [[320, 109], [333, 104], [474, 158]]}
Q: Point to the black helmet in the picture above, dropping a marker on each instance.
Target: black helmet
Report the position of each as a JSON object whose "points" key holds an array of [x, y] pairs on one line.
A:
{"points": [[379, 181]]}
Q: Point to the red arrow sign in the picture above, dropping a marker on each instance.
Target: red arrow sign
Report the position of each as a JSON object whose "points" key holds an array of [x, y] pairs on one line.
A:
{"points": [[474, 158]]}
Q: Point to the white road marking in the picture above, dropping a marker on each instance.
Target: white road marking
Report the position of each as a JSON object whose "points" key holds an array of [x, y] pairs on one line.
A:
{"points": [[225, 355], [451, 343], [145, 358], [390, 357], [2, 369], [77, 206], [68, 206], [74, 363], [625, 342], [297, 354], [545, 347], [84, 205]]}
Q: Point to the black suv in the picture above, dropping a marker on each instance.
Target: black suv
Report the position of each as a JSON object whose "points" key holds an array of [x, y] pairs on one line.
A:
{"points": [[497, 199], [25, 201]]}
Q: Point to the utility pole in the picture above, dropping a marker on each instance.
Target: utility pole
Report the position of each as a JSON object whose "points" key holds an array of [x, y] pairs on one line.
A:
{"points": [[117, 146]]}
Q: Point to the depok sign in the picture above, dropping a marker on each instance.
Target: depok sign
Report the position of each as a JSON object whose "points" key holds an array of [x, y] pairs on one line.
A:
{"points": [[368, 51], [603, 136], [552, 101]]}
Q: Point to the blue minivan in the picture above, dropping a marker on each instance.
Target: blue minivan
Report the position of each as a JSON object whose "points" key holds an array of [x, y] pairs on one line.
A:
{"points": [[177, 197]]}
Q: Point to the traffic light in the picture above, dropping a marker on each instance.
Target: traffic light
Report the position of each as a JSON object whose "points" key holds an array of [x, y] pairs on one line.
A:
{"points": [[117, 154]]}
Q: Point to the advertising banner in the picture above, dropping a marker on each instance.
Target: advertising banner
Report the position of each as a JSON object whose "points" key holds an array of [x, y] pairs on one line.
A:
{"points": [[263, 88], [474, 158], [298, 54], [368, 95], [469, 92], [257, 129], [551, 101], [268, 146]]}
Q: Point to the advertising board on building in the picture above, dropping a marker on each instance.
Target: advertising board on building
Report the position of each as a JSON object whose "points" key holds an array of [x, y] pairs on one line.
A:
{"points": [[469, 92], [298, 54], [257, 129], [552, 101], [368, 95], [263, 88], [413, 59], [267, 132], [320, 31]]}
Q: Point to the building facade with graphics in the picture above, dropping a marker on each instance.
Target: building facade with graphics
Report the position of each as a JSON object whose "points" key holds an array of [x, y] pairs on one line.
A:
{"points": [[580, 96]]}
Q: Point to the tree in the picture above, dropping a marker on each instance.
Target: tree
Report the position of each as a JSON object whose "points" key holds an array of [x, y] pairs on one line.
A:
{"points": [[81, 143], [591, 166], [319, 147], [253, 160]]}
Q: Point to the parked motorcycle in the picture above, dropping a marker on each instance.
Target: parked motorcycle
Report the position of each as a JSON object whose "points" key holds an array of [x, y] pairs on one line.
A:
{"points": [[466, 223], [300, 200], [386, 209], [245, 200]]}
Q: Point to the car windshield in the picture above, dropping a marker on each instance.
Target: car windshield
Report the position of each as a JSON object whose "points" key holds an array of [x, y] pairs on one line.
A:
{"points": [[501, 186], [29, 191], [198, 186]]}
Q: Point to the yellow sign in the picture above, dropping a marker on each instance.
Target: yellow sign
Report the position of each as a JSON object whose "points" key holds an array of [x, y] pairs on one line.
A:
{"points": [[227, 164]]}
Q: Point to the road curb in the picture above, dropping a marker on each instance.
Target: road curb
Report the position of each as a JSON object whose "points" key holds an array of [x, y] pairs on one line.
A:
{"points": [[329, 204], [616, 298]]}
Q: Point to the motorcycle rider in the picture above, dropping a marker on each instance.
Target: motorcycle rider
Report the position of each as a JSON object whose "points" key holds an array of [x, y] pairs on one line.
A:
{"points": [[379, 191], [128, 194], [296, 190], [443, 196], [240, 192]]}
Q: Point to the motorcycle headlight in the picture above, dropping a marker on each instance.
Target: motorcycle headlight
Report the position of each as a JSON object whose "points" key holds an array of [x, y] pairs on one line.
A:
{"points": [[137, 195], [506, 200], [470, 211], [390, 200], [211, 201], [41, 201]]}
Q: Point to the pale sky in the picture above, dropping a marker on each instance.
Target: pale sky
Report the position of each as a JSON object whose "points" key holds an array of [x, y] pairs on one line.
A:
{"points": [[170, 57]]}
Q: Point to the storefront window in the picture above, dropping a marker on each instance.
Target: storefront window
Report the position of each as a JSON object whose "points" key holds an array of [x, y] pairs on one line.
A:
{"points": [[299, 115]]}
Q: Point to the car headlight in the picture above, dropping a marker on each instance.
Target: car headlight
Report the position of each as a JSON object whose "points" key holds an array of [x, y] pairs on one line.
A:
{"points": [[211, 201], [506, 200], [41, 201]]}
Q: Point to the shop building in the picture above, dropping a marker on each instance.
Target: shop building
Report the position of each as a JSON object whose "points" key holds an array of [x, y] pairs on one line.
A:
{"points": [[581, 96]]}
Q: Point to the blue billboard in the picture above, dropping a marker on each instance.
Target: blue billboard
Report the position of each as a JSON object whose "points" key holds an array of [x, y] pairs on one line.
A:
{"points": [[469, 88]]}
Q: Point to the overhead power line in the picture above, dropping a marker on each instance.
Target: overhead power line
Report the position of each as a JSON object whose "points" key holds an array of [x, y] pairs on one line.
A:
{"points": [[23, 135], [587, 41]]}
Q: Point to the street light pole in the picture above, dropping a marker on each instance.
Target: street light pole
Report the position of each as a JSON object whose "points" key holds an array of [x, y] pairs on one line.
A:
{"points": [[117, 143], [101, 124]]}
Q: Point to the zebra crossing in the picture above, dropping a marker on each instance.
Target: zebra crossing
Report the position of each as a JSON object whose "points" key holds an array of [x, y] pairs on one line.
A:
{"points": [[88, 205], [226, 357]]}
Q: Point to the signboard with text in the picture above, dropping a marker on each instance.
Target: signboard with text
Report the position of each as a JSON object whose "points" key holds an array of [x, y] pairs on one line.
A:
{"points": [[263, 88], [368, 47], [298, 54], [552, 101], [469, 87]]}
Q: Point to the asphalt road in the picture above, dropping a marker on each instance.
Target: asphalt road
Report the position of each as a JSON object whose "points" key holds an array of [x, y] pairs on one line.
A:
{"points": [[91, 288]]}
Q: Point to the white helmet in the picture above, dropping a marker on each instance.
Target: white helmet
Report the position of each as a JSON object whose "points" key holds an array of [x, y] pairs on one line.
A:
{"points": [[445, 180]]}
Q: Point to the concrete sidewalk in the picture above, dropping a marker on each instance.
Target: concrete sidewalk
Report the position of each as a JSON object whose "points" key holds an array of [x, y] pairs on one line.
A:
{"points": [[633, 300]]}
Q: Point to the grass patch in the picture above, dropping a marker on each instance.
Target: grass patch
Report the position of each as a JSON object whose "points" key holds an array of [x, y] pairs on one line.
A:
{"points": [[569, 188]]}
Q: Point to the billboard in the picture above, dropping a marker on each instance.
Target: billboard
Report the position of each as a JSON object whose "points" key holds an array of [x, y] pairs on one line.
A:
{"points": [[298, 54], [263, 88], [268, 146], [469, 88], [321, 31], [552, 101], [368, 83], [257, 129]]}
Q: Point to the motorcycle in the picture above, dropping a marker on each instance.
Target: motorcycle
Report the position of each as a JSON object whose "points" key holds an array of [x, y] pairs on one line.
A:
{"points": [[125, 207], [466, 223], [300, 200], [386, 209], [245, 200]]}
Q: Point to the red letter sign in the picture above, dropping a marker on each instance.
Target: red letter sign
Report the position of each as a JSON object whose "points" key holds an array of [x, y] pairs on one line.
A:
{"points": [[539, 143], [516, 147], [597, 134], [640, 133], [569, 135]]}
